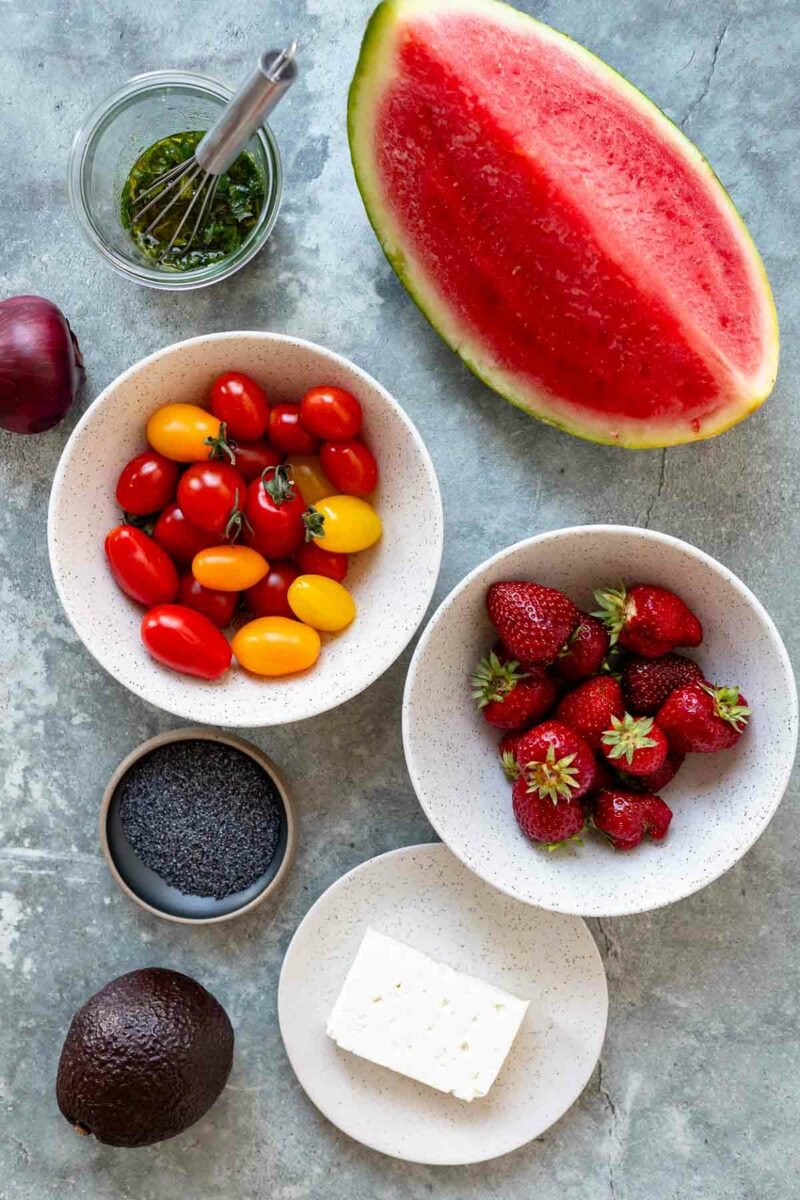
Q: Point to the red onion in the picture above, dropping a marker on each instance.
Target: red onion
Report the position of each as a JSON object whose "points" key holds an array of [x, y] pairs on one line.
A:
{"points": [[41, 368]]}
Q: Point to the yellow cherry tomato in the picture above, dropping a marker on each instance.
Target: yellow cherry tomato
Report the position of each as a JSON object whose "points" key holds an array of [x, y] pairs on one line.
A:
{"points": [[229, 568], [350, 524], [309, 476], [276, 646], [321, 602], [179, 432]]}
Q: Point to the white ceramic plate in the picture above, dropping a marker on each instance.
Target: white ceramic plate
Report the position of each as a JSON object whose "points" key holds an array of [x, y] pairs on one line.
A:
{"points": [[721, 802], [423, 896], [82, 510]]}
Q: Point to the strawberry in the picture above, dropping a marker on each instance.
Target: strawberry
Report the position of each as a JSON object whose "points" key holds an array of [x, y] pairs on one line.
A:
{"points": [[508, 697], [533, 621], [556, 762], [647, 620], [508, 753], [625, 818], [588, 709], [603, 778], [543, 821], [646, 682], [583, 654], [699, 719], [636, 744], [658, 780]]}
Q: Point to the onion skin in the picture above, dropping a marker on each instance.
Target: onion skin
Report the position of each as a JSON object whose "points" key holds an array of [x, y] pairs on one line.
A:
{"points": [[41, 367]]}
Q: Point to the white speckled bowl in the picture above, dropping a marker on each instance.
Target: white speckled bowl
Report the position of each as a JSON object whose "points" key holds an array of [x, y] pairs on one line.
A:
{"points": [[423, 897], [721, 802], [83, 509]]}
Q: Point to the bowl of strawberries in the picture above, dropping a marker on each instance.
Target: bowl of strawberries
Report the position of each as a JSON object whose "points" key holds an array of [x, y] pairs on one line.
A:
{"points": [[600, 720]]}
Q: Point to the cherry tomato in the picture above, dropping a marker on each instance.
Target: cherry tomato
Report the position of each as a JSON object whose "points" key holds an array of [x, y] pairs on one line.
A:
{"points": [[312, 559], [287, 434], [268, 597], [218, 606], [239, 401], [186, 433], [254, 457], [186, 641], [179, 537], [141, 568], [276, 646], [350, 466], [147, 483], [350, 524], [331, 413], [321, 603], [306, 471], [229, 568], [212, 496], [275, 511]]}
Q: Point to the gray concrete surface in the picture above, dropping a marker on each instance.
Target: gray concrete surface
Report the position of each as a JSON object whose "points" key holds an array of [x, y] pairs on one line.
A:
{"points": [[697, 1094]]}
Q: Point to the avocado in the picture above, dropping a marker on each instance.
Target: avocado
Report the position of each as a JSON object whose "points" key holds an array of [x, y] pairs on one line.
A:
{"points": [[144, 1058]]}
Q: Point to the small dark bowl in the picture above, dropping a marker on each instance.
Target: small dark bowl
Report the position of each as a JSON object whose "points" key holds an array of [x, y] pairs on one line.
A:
{"points": [[147, 889]]}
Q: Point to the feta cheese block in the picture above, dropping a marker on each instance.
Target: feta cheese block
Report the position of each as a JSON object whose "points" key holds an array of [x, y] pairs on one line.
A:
{"points": [[403, 1010]]}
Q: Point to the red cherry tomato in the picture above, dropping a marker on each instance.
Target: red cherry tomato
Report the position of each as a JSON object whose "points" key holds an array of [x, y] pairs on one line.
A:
{"points": [[286, 432], [274, 511], [331, 413], [219, 607], [186, 641], [212, 496], [267, 598], [350, 466], [313, 560], [254, 457], [179, 537], [141, 568], [147, 483], [239, 401]]}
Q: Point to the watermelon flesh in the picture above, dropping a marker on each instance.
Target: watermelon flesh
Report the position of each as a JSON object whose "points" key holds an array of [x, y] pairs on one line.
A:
{"points": [[558, 230]]}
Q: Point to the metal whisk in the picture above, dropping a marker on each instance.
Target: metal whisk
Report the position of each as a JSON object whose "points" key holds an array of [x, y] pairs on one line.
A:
{"points": [[220, 147]]}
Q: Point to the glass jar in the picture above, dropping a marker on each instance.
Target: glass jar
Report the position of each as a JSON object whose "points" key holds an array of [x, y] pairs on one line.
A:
{"points": [[150, 107]]}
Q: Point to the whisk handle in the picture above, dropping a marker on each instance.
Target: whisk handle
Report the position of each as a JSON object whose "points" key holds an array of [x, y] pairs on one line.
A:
{"points": [[255, 99]]}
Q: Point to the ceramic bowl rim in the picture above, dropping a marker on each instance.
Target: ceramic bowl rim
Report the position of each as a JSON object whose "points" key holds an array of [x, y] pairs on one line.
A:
{"points": [[377, 666], [206, 734], [707, 561]]}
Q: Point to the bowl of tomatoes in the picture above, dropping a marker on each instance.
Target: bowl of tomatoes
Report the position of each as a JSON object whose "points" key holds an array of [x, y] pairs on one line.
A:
{"points": [[250, 509]]}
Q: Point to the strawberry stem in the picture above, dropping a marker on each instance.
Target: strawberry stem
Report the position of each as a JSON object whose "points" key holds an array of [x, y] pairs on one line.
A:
{"points": [[628, 735], [612, 610], [552, 778], [493, 680]]}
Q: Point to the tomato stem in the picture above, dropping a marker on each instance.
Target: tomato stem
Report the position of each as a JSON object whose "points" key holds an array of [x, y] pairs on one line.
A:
{"points": [[220, 446], [236, 521], [314, 522], [279, 487]]}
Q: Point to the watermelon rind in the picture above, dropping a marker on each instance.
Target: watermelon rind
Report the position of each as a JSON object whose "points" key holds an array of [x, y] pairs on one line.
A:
{"points": [[373, 70]]}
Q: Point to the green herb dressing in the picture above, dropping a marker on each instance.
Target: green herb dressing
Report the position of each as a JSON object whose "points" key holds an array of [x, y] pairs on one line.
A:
{"points": [[237, 203]]}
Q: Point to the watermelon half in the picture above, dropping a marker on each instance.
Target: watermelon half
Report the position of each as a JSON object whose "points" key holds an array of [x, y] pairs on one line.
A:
{"points": [[559, 232]]}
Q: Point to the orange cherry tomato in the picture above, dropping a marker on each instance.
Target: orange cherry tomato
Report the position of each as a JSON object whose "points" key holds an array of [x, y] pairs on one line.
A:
{"points": [[276, 646], [229, 568], [306, 471], [186, 433]]}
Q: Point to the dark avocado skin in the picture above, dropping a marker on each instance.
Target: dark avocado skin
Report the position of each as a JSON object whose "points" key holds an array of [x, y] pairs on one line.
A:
{"points": [[144, 1058]]}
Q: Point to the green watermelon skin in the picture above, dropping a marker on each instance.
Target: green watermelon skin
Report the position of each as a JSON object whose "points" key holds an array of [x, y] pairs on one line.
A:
{"points": [[558, 231]]}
